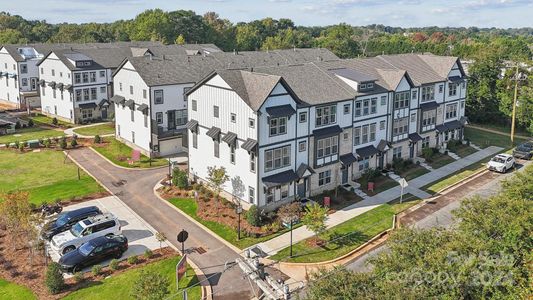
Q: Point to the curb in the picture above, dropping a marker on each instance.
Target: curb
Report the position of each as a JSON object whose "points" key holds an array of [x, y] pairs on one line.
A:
{"points": [[125, 168], [207, 292], [228, 244]]}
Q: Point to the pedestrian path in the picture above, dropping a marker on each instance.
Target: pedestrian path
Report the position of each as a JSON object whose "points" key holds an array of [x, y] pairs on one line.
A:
{"points": [[475, 146], [70, 131], [274, 245], [453, 155]]}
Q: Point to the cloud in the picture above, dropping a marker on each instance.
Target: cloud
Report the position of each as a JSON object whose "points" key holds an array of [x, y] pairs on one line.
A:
{"points": [[495, 4]]}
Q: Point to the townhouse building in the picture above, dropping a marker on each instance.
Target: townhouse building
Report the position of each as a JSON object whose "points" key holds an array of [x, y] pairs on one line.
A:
{"points": [[150, 100], [294, 131]]}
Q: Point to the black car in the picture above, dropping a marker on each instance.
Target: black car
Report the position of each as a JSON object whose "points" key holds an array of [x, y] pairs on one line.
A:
{"points": [[524, 150], [67, 219], [93, 252]]}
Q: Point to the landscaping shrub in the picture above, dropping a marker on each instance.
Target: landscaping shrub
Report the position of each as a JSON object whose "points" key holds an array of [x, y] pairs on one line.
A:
{"points": [[97, 270], [54, 121], [17, 125], [30, 123], [150, 285], [47, 143], [428, 153], [253, 217], [97, 139], [452, 145], [400, 164], [133, 260], [73, 143], [113, 264], [54, 278], [63, 143], [16, 144], [78, 277], [371, 174], [179, 178], [21, 147], [148, 254]]}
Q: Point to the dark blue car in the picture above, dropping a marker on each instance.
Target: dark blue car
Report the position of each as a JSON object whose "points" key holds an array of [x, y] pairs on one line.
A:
{"points": [[67, 219]]}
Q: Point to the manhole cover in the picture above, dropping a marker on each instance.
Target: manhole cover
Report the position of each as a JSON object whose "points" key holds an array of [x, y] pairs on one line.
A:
{"points": [[200, 250], [119, 183]]}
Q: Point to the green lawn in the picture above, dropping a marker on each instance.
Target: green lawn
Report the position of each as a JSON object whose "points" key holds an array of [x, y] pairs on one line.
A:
{"points": [[439, 160], [44, 120], [189, 206], [119, 154], [503, 128], [361, 229], [46, 175], [381, 183], [119, 287], [483, 139], [11, 291], [463, 150], [455, 177], [26, 134], [413, 171], [101, 129]]}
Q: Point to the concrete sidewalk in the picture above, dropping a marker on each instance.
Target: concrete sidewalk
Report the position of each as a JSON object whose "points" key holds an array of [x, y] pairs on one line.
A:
{"points": [[301, 233]]}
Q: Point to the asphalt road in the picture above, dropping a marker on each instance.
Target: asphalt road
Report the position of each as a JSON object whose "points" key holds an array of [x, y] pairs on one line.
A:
{"points": [[135, 189], [439, 211]]}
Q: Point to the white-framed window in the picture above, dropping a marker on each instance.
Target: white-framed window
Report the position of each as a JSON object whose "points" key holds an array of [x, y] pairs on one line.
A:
{"points": [[252, 161], [42, 70], [397, 152], [372, 132], [251, 194], [413, 95], [357, 136], [93, 76], [181, 117], [120, 86], [362, 86], [346, 109], [302, 146], [232, 153], [324, 178], [93, 93], [462, 104], [452, 89], [158, 97], [53, 72], [425, 142], [428, 93], [357, 109], [451, 111], [251, 123], [145, 94], [77, 78], [102, 90], [24, 82], [78, 95], [364, 164], [381, 125], [383, 100], [195, 140], [326, 115], [373, 105], [102, 73], [366, 107], [215, 111], [194, 105], [54, 93], [86, 95], [429, 117], [131, 89], [159, 117], [345, 136], [364, 131], [60, 74], [278, 126], [441, 88], [401, 100], [413, 117], [370, 85], [303, 117], [277, 158], [233, 118], [327, 146], [284, 191], [400, 126], [86, 113], [23, 68], [269, 195]]}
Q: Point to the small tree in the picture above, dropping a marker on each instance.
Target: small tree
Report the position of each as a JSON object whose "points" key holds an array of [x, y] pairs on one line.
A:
{"points": [[73, 143], [97, 139], [21, 147], [54, 121], [252, 216], [217, 177], [290, 213], [179, 178], [17, 125], [54, 280], [30, 123], [97, 270], [47, 143], [150, 285], [160, 238], [16, 215], [63, 143], [315, 218]]}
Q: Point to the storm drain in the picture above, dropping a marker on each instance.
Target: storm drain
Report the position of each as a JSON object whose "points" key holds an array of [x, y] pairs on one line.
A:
{"points": [[200, 250]]}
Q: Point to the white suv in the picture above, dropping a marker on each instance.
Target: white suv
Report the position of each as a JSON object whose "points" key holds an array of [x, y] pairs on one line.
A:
{"points": [[501, 163], [84, 231]]}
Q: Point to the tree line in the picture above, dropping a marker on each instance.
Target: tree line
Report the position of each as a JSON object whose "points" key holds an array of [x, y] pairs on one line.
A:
{"points": [[489, 95]]}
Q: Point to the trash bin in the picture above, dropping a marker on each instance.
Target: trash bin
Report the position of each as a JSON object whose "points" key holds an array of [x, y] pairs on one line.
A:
{"points": [[327, 201], [370, 186]]}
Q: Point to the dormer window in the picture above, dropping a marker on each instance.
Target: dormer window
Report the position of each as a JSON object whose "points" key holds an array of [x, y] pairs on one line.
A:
{"points": [[370, 85], [363, 86]]}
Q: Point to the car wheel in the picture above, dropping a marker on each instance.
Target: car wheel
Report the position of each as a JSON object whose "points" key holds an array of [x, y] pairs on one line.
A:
{"points": [[75, 269], [68, 249], [109, 235], [118, 255]]}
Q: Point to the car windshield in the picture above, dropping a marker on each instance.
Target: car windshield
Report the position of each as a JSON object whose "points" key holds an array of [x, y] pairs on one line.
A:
{"points": [[76, 230], [498, 160], [62, 219], [86, 249], [525, 147]]}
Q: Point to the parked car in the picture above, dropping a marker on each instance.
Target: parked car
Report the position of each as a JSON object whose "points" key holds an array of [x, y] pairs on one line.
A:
{"points": [[524, 150], [501, 163], [67, 219], [84, 231], [93, 252]]}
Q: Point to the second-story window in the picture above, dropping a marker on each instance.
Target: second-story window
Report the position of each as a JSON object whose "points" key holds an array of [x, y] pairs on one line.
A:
{"points": [[429, 117], [357, 109], [215, 111], [277, 158], [326, 115], [93, 76], [159, 117], [158, 97], [85, 76], [303, 117], [252, 162], [233, 118], [181, 117], [451, 111], [327, 147], [251, 123], [144, 94], [413, 95], [400, 126], [53, 72], [346, 109], [23, 68], [428, 93], [194, 105], [77, 78], [93, 93], [452, 89], [131, 89], [278, 126], [102, 73]]}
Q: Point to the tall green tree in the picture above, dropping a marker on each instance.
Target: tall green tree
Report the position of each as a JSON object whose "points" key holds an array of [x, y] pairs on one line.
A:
{"points": [[340, 40]]}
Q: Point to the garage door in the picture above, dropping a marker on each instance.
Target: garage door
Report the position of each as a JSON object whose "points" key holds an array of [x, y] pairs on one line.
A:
{"points": [[168, 147]]}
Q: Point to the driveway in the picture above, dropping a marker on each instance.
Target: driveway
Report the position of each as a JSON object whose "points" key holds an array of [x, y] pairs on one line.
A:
{"points": [[135, 189], [141, 236]]}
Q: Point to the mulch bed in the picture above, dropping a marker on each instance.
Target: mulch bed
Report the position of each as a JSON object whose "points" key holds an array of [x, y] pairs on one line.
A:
{"points": [[220, 211], [19, 266]]}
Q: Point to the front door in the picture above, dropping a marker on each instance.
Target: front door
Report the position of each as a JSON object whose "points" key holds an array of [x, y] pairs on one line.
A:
{"points": [[171, 119], [412, 151], [344, 175], [104, 113], [33, 83], [301, 189], [381, 160]]}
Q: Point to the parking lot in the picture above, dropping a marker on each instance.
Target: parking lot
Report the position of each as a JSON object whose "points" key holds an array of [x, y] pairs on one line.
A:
{"points": [[141, 236]]}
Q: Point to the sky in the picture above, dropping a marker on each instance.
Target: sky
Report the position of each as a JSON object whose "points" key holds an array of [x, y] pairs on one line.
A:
{"points": [[403, 13]]}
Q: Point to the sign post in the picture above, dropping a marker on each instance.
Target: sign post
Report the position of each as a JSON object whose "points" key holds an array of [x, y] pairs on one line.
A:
{"points": [[181, 269], [403, 183]]}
